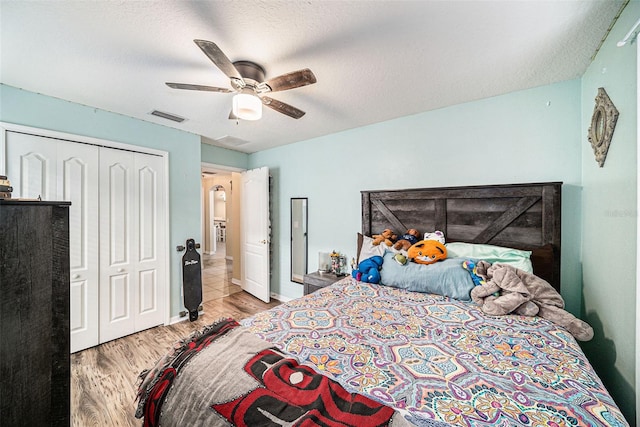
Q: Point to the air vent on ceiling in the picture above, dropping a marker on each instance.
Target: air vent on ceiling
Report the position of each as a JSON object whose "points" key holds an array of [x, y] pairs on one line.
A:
{"points": [[167, 116], [230, 141]]}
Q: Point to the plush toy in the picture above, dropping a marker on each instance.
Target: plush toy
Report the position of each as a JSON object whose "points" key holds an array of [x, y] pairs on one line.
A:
{"points": [[407, 239], [435, 235], [471, 266], [368, 270], [400, 259], [387, 236], [506, 289], [427, 252]]}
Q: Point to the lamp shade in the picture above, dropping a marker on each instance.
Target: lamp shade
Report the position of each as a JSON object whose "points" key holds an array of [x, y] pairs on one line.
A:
{"points": [[247, 106]]}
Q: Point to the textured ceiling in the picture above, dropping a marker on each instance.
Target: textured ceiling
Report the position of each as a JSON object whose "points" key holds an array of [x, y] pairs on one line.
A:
{"points": [[374, 60]]}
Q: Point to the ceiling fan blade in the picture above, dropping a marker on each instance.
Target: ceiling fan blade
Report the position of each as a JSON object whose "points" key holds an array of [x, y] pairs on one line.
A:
{"points": [[219, 58], [283, 108], [291, 80], [198, 87]]}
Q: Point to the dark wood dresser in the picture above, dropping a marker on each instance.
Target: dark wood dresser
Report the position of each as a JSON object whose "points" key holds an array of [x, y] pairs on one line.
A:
{"points": [[35, 370]]}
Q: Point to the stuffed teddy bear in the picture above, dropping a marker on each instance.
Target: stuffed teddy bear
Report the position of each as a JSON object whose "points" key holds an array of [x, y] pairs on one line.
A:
{"points": [[427, 252], [368, 270], [405, 241], [387, 236]]}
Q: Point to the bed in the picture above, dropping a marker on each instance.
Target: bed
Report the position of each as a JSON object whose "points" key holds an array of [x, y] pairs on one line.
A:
{"points": [[373, 354]]}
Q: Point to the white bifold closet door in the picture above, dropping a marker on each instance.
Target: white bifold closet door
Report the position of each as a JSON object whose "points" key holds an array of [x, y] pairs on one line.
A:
{"points": [[115, 221], [77, 176], [130, 262]]}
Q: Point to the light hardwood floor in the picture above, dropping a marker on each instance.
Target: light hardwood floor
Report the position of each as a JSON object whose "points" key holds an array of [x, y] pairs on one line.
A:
{"points": [[217, 275], [104, 378]]}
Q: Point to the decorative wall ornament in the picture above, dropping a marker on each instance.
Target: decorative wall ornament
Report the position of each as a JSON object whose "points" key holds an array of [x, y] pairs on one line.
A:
{"points": [[603, 123]]}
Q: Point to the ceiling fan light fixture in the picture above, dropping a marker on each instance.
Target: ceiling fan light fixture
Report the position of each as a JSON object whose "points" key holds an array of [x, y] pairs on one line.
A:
{"points": [[247, 106], [247, 80]]}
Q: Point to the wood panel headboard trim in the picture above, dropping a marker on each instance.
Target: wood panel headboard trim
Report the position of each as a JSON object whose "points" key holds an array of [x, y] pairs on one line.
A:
{"points": [[522, 216]]}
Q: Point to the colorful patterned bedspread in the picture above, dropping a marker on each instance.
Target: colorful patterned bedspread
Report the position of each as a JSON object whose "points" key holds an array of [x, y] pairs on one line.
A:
{"points": [[440, 358]]}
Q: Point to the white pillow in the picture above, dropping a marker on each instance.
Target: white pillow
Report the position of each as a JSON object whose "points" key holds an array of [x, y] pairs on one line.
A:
{"points": [[368, 249]]}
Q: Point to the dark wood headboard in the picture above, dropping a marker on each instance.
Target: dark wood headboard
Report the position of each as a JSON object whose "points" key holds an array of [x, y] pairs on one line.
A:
{"points": [[522, 216]]}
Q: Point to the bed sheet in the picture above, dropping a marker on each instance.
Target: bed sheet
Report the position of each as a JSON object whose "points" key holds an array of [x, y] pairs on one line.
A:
{"points": [[439, 358]]}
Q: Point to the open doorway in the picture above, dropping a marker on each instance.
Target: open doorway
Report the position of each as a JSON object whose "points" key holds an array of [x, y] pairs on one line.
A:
{"points": [[217, 235]]}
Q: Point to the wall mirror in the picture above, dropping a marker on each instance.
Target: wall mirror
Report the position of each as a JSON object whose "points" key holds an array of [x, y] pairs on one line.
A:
{"points": [[299, 229], [603, 123]]}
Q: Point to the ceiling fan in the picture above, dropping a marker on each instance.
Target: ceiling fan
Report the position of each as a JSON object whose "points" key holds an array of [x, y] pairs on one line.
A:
{"points": [[247, 80]]}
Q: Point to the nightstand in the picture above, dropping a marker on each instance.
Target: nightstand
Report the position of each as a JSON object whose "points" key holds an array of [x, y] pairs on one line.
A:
{"points": [[314, 281]]}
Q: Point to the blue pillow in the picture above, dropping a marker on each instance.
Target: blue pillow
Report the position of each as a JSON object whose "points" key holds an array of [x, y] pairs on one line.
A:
{"points": [[445, 277]]}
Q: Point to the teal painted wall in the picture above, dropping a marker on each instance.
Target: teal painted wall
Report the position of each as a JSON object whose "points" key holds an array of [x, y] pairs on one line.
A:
{"points": [[31, 109], [527, 136], [223, 156], [610, 218]]}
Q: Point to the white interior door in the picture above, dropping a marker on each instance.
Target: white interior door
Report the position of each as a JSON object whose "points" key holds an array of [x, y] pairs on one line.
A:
{"points": [[117, 225], [117, 245], [255, 233], [213, 232], [60, 170], [132, 268], [31, 166], [77, 182], [149, 266]]}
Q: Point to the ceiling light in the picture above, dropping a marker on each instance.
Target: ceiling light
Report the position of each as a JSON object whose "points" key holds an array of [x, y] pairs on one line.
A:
{"points": [[247, 106]]}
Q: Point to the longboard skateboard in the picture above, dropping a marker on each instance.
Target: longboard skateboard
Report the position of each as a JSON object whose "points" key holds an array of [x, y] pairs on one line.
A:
{"points": [[192, 279]]}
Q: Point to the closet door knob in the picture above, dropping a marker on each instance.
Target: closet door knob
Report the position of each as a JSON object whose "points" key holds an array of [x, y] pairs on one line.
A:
{"points": [[75, 276], [121, 270]]}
